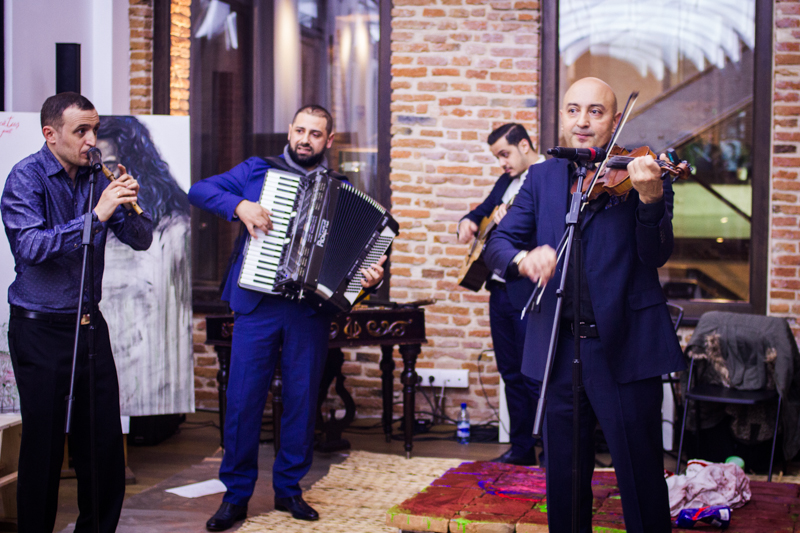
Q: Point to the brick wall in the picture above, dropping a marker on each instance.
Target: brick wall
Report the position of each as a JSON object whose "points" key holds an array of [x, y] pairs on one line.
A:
{"points": [[784, 284], [460, 68], [206, 395], [180, 38], [141, 56], [140, 15]]}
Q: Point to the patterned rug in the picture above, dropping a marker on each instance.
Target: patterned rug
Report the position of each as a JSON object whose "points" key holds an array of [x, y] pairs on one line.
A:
{"points": [[354, 496], [485, 497], [373, 493]]}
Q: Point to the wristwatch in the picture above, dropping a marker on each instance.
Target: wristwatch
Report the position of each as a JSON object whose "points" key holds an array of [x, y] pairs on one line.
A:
{"points": [[513, 268]]}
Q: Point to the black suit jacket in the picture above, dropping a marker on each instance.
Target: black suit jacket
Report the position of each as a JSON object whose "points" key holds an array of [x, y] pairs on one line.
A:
{"points": [[621, 257]]}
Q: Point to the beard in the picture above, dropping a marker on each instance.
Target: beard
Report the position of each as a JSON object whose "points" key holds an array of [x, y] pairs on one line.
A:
{"points": [[306, 161]]}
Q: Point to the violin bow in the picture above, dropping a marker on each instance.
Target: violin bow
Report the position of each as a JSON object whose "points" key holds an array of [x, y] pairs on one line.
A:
{"points": [[538, 292], [614, 136]]}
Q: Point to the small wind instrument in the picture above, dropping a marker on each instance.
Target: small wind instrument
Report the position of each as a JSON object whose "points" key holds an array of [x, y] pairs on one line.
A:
{"points": [[129, 205]]}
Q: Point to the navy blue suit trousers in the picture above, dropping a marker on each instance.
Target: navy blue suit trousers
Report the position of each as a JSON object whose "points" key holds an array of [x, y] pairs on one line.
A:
{"points": [[292, 332], [630, 415]]}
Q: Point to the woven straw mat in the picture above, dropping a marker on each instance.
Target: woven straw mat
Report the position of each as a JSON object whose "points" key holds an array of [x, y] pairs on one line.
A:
{"points": [[354, 496]]}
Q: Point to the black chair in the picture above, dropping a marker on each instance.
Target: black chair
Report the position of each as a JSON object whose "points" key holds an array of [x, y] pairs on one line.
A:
{"points": [[676, 314], [703, 392]]}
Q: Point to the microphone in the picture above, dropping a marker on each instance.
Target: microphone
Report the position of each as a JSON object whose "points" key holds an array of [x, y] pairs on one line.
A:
{"points": [[95, 159], [588, 155]]}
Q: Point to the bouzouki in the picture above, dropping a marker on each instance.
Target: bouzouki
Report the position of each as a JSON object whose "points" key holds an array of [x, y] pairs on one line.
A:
{"points": [[474, 271]]}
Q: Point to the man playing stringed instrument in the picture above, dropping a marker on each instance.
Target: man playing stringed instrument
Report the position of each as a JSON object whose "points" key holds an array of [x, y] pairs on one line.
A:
{"points": [[512, 146], [625, 333]]}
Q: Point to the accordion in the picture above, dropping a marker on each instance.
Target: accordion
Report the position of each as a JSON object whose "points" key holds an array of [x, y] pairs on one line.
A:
{"points": [[324, 231]]}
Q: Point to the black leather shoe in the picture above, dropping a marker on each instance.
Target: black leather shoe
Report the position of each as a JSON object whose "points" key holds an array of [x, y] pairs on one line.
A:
{"points": [[227, 515], [513, 459], [297, 506]]}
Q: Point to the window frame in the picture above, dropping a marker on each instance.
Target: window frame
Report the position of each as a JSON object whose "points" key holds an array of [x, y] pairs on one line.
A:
{"points": [[761, 155], [385, 127], [162, 22]]}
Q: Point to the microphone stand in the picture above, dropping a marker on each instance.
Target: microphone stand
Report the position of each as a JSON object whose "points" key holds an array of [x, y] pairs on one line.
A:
{"points": [[572, 242], [87, 273]]}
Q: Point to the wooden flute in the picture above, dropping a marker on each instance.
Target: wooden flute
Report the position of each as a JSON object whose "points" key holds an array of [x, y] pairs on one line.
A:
{"points": [[130, 205]]}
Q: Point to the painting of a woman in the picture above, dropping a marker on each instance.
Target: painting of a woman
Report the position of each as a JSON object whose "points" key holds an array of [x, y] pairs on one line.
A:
{"points": [[147, 295]]}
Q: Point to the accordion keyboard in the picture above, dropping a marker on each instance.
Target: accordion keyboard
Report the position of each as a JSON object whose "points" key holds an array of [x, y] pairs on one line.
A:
{"points": [[262, 255]]}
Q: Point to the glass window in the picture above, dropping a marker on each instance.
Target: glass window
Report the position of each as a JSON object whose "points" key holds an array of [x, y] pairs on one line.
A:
{"points": [[692, 62], [349, 88], [221, 110]]}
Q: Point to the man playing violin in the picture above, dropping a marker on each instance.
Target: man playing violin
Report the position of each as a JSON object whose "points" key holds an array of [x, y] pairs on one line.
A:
{"points": [[627, 341]]}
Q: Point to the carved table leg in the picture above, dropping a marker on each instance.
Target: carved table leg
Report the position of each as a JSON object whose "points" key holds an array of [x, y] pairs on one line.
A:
{"points": [[409, 379], [277, 407], [387, 388], [333, 427], [224, 358]]}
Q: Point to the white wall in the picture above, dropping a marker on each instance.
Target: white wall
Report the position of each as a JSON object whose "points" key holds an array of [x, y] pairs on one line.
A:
{"points": [[100, 26]]}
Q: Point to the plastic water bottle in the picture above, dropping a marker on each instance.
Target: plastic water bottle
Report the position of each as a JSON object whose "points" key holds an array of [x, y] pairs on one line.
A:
{"points": [[462, 425]]}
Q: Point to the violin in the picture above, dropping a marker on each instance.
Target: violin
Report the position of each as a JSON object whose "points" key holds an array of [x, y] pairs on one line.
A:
{"points": [[615, 179]]}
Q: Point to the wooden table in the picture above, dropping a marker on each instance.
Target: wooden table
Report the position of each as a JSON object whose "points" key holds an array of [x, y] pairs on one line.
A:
{"points": [[384, 327]]}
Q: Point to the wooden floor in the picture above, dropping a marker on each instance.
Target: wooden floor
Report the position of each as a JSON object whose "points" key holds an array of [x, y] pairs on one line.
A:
{"points": [[193, 455]]}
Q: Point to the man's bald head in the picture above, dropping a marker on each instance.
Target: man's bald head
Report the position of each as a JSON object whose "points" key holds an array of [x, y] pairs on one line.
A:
{"points": [[589, 113]]}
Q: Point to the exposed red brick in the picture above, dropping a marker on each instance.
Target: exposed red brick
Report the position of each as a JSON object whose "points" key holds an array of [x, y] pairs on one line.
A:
{"points": [[787, 23], [476, 74], [419, 72], [445, 72]]}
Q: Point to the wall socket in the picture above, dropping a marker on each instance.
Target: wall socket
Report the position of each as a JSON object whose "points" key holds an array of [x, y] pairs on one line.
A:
{"points": [[449, 378]]}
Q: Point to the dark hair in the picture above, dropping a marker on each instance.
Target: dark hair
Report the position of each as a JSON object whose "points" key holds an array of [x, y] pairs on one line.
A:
{"points": [[159, 193], [317, 111], [513, 132], [53, 108]]}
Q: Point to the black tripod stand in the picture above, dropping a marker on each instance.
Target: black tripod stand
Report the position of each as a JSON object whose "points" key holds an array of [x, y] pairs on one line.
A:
{"points": [[87, 284], [570, 242]]}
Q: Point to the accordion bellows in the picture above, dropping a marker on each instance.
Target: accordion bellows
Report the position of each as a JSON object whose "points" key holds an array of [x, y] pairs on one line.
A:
{"points": [[324, 231]]}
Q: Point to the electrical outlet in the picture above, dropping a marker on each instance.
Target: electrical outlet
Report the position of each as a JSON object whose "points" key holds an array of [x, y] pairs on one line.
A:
{"points": [[458, 379]]}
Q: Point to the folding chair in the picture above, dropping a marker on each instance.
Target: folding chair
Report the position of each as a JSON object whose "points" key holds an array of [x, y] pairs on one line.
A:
{"points": [[704, 392]]}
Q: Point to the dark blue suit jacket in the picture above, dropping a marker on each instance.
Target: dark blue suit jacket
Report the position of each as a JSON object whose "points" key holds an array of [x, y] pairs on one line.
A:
{"points": [[621, 257], [221, 194], [519, 289], [494, 199]]}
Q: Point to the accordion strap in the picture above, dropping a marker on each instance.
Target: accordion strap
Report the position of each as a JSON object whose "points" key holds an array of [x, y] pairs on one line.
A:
{"points": [[280, 163]]}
